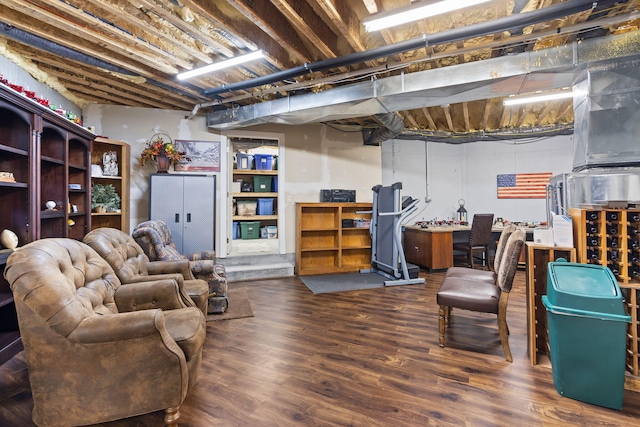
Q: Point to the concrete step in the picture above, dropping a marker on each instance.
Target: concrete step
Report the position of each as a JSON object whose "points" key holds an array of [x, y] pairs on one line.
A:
{"points": [[240, 272], [258, 266]]}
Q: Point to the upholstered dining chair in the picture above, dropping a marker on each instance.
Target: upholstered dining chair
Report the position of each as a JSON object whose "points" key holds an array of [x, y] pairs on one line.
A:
{"points": [[479, 239], [131, 265], [97, 351], [154, 237], [482, 295], [488, 275]]}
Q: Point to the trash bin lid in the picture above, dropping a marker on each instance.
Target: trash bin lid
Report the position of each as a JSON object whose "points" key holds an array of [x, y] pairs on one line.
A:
{"points": [[587, 287]]}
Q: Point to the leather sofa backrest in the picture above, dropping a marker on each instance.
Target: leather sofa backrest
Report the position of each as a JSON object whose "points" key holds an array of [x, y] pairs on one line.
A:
{"points": [[121, 251], [63, 281]]}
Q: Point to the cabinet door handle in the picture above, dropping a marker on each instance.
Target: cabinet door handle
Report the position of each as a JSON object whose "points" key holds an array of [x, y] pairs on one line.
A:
{"points": [[177, 217], [188, 217]]}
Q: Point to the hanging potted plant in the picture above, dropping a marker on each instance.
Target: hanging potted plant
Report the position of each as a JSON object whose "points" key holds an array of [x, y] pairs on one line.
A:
{"points": [[161, 149], [104, 198]]}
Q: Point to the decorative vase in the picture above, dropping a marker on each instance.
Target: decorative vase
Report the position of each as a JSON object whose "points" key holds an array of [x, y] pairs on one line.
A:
{"points": [[163, 163]]}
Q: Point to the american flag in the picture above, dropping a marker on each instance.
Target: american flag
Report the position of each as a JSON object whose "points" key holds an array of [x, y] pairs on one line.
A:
{"points": [[523, 185]]}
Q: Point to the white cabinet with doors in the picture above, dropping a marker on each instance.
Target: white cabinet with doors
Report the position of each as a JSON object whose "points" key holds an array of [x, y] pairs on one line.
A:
{"points": [[187, 203]]}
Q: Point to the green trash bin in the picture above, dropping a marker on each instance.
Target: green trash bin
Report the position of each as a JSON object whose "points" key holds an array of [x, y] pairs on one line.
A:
{"points": [[587, 327]]}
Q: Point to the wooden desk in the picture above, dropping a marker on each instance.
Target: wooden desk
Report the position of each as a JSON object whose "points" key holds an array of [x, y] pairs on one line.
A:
{"points": [[432, 247], [537, 259]]}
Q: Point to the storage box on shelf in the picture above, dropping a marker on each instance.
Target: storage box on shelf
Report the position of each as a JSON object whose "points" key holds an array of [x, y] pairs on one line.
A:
{"points": [[259, 204], [99, 147], [324, 245], [610, 237]]}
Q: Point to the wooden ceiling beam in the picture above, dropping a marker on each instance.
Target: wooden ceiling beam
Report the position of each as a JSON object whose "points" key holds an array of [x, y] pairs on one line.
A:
{"points": [[243, 31], [409, 117], [426, 113], [346, 21], [96, 27], [372, 6], [447, 114], [187, 27], [125, 12], [123, 94], [49, 25], [303, 17], [270, 20], [465, 113]]}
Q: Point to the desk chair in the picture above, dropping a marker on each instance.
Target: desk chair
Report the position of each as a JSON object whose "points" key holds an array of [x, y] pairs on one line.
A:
{"points": [[479, 239]]}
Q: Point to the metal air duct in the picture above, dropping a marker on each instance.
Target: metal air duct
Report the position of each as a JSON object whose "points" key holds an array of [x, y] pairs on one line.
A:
{"points": [[490, 27]]}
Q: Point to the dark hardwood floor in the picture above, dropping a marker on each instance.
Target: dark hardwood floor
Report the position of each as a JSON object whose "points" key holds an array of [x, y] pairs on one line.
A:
{"points": [[367, 358]]}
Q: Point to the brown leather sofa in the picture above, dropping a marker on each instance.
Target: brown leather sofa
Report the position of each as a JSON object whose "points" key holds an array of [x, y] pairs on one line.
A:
{"points": [[96, 350], [131, 265]]}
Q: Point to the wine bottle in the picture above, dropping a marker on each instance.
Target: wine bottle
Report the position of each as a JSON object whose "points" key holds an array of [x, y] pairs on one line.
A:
{"points": [[612, 255], [612, 229], [593, 241], [592, 215], [632, 231], [634, 216], [634, 271], [592, 228], [593, 254], [634, 257], [613, 268], [612, 242], [612, 216], [633, 243]]}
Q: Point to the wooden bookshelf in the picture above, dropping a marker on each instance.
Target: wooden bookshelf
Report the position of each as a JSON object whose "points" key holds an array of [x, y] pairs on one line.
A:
{"points": [[324, 245]]}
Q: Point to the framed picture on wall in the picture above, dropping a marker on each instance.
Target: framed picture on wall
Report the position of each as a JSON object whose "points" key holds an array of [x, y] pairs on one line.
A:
{"points": [[204, 155]]}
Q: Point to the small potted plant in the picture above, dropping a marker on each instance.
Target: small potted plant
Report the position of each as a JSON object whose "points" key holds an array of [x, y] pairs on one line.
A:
{"points": [[104, 198]]}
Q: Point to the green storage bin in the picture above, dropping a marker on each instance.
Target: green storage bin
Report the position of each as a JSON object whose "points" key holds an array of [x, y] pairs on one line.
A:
{"points": [[262, 183], [250, 229], [587, 327]]}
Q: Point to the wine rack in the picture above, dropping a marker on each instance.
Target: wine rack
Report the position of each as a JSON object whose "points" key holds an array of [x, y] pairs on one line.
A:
{"points": [[611, 237]]}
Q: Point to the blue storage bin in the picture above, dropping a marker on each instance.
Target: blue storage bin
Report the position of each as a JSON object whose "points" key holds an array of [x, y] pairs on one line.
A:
{"points": [[274, 187], [244, 161], [236, 230], [265, 206], [264, 161]]}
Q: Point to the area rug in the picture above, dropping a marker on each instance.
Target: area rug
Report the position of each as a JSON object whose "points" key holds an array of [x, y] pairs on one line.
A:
{"points": [[324, 283], [239, 306]]}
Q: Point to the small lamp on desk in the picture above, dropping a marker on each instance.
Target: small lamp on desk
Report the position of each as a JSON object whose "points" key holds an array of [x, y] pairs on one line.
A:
{"points": [[462, 212]]}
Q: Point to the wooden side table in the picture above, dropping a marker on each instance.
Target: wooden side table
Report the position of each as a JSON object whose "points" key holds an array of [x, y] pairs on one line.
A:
{"points": [[538, 257]]}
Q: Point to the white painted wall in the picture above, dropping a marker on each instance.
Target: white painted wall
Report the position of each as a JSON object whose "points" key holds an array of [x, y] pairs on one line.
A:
{"points": [[446, 173], [135, 126]]}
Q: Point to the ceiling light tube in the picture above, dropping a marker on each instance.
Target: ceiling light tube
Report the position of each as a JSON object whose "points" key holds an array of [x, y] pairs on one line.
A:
{"points": [[413, 13], [538, 98], [220, 65]]}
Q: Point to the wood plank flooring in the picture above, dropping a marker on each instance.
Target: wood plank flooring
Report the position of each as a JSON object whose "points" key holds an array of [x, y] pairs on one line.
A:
{"points": [[367, 358]]}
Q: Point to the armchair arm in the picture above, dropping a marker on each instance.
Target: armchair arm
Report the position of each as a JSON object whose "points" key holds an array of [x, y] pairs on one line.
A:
{"points": [[198, 256], [163, 294], [118, 327], [178, 266]]}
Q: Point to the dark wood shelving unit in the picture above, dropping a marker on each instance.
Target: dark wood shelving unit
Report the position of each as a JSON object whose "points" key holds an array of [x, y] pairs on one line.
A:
{"points": [[45, 152]]}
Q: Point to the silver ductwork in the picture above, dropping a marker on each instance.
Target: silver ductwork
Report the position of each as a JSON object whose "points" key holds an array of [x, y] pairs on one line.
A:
{"points": [[544, 69], [391, 126], [607, 116]]}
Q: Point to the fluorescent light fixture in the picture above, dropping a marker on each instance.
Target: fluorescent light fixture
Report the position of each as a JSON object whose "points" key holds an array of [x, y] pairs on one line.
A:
{"points": [[413, 13], [538, 98], [220, 65]]}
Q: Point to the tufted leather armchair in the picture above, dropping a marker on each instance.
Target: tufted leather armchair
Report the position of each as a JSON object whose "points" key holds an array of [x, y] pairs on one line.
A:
{"points": [[98, 351], [154, 237], [131, 265]]}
